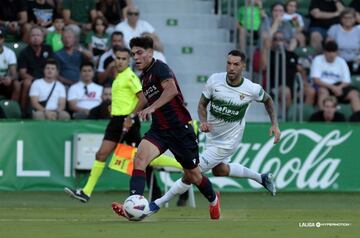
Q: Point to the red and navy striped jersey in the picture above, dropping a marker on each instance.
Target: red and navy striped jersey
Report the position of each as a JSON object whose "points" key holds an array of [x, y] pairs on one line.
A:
{"points": [[173, 114]]}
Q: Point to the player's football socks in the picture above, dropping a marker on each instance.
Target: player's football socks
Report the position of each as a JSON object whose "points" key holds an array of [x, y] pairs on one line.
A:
{"points": [[205, 187], [137, 182], [153, 208], [77, 194], [95, 174], [118, 209], [268, 183], [178, 187], [214, 209], [240, 171]]}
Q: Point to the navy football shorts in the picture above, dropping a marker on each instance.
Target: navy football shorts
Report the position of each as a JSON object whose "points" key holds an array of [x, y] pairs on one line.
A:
{"points": [[182, 142]]}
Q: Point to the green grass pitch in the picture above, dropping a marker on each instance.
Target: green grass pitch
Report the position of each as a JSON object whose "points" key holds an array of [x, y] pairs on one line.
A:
{"points": [[53, 214]]}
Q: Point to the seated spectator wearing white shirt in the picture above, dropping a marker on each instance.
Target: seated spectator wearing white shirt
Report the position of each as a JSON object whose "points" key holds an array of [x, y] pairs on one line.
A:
{"points": [[85, 94], [9, 83], [347, 36], [133, 26], [48, 96], [331, 74]]}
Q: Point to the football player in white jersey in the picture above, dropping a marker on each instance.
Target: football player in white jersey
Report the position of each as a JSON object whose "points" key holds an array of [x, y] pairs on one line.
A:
{"points": [[229, 95]]}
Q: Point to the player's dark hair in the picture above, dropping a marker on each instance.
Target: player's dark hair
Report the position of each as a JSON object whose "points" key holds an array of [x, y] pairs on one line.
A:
{"points": [[330, 46], [52, 61], [145, 42], [121, 49], [239, 54], [87, 63]]}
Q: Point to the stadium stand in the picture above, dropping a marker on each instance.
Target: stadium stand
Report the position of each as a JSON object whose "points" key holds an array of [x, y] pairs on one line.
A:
{"points": [[11, 109]]}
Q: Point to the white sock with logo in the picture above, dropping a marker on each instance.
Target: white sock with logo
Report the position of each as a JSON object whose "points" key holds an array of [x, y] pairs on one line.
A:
{"points": [[239, 171], [179, 187]]}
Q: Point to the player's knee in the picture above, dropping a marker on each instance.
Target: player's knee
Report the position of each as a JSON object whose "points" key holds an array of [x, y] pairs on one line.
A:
{"points": [[140, 162], [194, 178], [221, 170]]}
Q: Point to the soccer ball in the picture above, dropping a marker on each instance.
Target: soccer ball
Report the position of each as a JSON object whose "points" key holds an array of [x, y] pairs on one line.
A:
{"points": [[136, 207]]}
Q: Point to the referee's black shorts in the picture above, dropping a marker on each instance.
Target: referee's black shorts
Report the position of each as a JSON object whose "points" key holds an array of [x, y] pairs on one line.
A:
{"points": [[182, 142], [114, 130]]}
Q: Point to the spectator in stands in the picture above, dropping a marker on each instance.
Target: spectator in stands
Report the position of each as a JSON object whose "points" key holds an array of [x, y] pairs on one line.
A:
{"points": [[347, 37], [32, 61], [296, 21], [70, 58], [9, 83], [356, 5], [48, 96], [85, 94], [323, 14], [277, 23], [53, 38], [102, 111], [249, 18], [133, 26], [331, 74], [13, 16], [41, 13], [292, 68], [328, 113], [97, 40], [79, 14], [106, 67], [114, 12]]}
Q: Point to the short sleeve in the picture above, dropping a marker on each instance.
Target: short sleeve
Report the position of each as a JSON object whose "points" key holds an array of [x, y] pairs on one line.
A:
{"points": [[346, 78], [135, 84], [12, 58], [164, 72], [258, 93], [34, 89], [208, 89], [332, 32], [62, 90], [315, 71], [72, 93]]}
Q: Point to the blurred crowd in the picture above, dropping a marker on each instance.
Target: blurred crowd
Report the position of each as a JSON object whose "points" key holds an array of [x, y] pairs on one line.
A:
{"points": [[56, 56], [322, 45], [57, 61]]}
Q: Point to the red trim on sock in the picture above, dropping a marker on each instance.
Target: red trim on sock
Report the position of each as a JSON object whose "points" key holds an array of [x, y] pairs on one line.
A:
{"points": [[204, 180], [138, 172]]}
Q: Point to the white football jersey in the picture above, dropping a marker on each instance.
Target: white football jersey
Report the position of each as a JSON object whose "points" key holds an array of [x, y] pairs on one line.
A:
{"points": [[228, 106]]}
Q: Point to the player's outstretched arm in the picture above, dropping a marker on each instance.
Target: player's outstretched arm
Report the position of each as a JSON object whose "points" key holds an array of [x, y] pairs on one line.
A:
{"points": [[202, 113], [269, 106]]}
